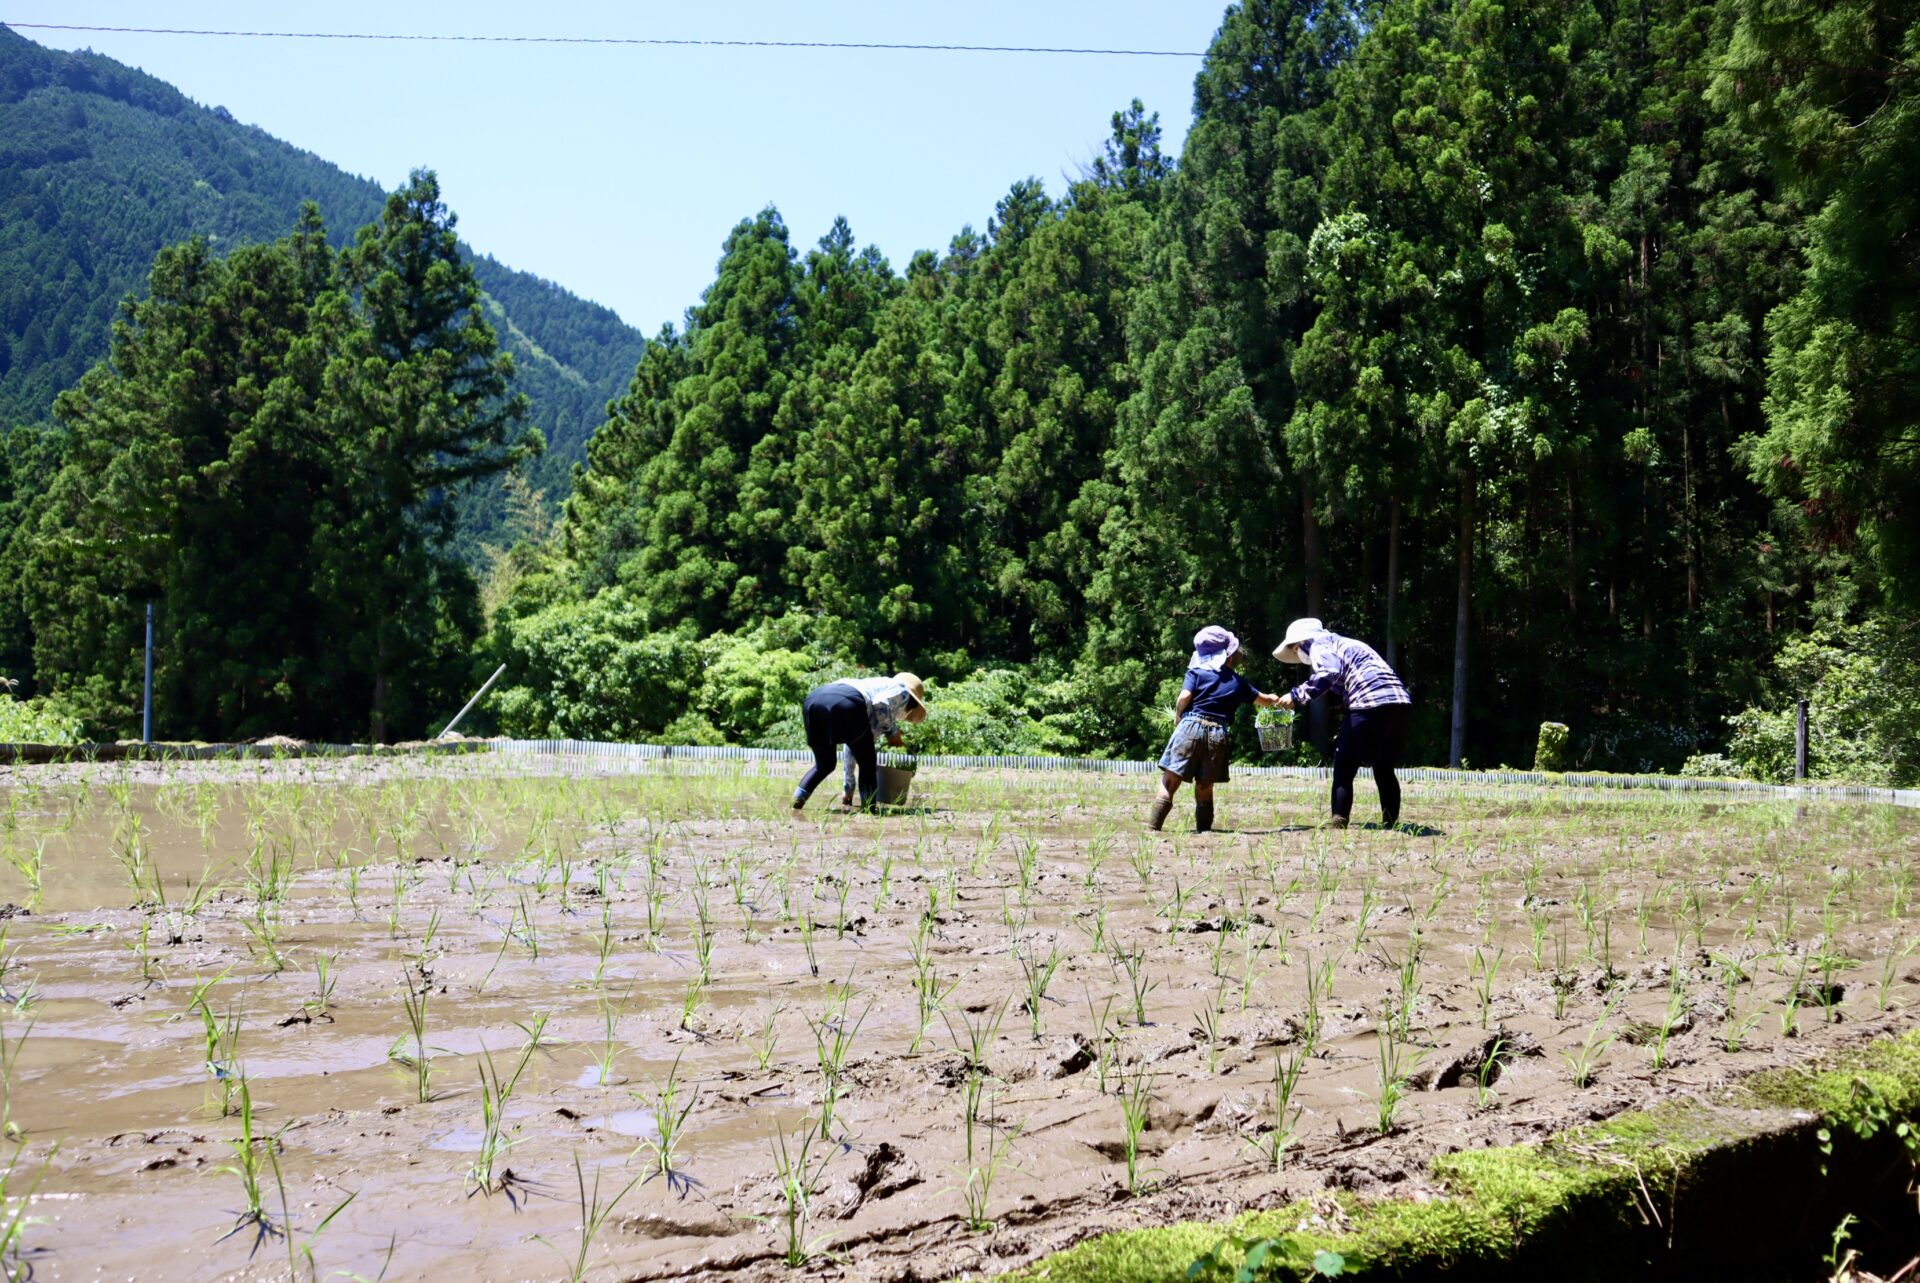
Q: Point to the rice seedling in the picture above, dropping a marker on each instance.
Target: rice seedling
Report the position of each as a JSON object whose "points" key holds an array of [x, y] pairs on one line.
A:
{"points": [[1397, 1059], [496, 1091], [1105, 1040], [833, 1039], [1584, 1063], [595, 1211], [417, 1063], [1676, 1009], [1273, 1144], [1490, 1068], [1485, 971], [1037, 972], [1896, 955], [1790, 1006], [669, 1122], [769, 1041], [16, 1200], [1133, 962], [1136, 1104], [799, 1174], [247, 1166], [983, 1169], [806, 926]]}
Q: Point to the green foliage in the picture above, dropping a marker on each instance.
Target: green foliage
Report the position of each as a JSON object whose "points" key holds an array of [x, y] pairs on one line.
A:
{"points": [[592, 670], [37, 721], [104, 166], [1832, 91], [1550, 751], [1862, 686], [267, 454], [1564, 350]]}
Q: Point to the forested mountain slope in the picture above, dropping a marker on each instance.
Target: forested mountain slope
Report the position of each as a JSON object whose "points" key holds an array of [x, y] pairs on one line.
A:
{"points": [[102, 165]]}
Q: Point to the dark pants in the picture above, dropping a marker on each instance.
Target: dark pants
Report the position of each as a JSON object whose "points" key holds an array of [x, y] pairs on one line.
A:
{"points": [[1375, 737], [834, 715]]}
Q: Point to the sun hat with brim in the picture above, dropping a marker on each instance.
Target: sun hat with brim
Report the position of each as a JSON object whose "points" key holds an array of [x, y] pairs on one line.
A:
{"points": [[915, 687], [1300, 630], [1212, 647]]}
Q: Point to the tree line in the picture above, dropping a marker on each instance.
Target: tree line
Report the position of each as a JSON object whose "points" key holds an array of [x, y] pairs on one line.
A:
{"points": [[1560, 347]]}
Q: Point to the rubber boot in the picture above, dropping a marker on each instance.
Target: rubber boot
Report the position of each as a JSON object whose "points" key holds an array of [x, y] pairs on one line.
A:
{"points": [[1203, 816], [800, 797], [1157, 813]]}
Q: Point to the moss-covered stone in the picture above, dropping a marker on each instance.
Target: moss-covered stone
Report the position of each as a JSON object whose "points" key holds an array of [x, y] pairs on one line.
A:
{"points": [[1581, 1187]]}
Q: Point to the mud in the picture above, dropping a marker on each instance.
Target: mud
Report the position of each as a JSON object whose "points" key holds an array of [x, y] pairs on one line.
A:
{"points": [[1496, 951]]}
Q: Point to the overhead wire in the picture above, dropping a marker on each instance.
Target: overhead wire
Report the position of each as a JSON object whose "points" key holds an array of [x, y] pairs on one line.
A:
{"points": [[442, 38]]}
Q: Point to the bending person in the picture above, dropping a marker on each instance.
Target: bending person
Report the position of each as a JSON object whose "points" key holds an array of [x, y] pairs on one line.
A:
{"points": [[858, 712], [1374, 731]]}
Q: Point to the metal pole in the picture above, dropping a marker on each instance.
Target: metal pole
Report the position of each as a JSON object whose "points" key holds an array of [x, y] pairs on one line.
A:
{"points": [[448, 729], [146, 710], [1800, 742]]}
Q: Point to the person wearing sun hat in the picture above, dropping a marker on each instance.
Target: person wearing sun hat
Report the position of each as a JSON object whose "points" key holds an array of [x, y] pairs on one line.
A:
{"points": [[859, 712], [1378, 710], [1208, 699]]}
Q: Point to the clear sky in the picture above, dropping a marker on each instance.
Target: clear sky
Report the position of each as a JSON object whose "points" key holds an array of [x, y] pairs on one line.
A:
{"points": [[617, 171]]}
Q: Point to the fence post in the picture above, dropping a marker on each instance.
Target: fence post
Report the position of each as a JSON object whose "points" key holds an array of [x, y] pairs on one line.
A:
{"points": [[1800, 742], [146, 696]]}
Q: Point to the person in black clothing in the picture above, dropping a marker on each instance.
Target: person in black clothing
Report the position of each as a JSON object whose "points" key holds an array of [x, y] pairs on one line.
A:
{"points": [[1197, 753], [859, 713]]}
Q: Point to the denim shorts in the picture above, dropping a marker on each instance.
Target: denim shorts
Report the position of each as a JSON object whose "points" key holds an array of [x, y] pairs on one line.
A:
{"points": [[1197, 753]]}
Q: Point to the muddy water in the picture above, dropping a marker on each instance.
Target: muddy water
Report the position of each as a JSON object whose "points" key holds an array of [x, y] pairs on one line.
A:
{"points": [[300, 909]]}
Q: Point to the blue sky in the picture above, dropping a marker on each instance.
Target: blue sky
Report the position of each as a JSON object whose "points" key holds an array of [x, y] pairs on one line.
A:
{"points": [[617, 171]]}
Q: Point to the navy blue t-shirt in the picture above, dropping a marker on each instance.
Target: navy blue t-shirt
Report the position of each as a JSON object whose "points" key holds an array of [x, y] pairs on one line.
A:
{"points": [[1218, 695]]}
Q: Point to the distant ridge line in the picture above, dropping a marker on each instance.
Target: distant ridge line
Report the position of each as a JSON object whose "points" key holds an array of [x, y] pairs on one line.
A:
{"points": [[608, 40]]}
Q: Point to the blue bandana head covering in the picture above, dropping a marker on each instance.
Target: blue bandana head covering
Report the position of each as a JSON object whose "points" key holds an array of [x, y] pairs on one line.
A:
{"points": [[1211, 647]]}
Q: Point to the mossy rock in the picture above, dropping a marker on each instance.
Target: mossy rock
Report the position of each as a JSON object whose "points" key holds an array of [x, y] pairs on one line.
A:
{"points": [[1598, 1201]]}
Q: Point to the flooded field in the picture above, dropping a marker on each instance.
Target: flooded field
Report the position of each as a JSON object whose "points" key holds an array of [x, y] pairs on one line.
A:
{"points": [[490, 1020]]}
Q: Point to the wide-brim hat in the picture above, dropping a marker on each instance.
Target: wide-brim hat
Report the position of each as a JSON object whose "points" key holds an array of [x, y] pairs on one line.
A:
{"points": [[915, 687], [1213, 646], [1300, 630]]}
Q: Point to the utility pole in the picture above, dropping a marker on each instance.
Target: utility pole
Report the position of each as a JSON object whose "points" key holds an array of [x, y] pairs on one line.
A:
{"points": [[146, 708], [1800, 742]]}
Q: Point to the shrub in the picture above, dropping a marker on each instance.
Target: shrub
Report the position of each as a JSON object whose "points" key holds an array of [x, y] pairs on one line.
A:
{"points": [[1712, 766], [1862, 684], [592, 670], [37, 721], [1550, 750]]}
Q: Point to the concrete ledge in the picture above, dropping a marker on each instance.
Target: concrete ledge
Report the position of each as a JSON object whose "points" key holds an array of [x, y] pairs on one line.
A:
{"points": [[1750, 1185]]}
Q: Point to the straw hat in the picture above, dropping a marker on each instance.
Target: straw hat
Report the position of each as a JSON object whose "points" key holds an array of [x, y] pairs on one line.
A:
{"points": [[1300, 630], [915, 687], [1212, 647]]}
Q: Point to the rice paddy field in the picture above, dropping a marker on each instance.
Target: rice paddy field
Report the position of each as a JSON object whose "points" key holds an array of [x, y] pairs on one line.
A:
{"points": [[510, 1019]]}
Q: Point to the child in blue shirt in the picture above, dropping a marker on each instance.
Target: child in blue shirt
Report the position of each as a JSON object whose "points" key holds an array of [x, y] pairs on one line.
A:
{"points": [[1197, 753]]}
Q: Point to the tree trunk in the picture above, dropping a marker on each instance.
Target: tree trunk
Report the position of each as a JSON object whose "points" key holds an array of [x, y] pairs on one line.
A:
{"points": [[1393, 584], [1462, 613], [379, 731], [1687, 517], [1319, 719], [1573, 560]]}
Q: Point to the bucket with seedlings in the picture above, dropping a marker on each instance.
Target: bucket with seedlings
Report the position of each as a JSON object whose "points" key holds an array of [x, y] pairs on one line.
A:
{"points": [[1275, 726], [896, 779]]}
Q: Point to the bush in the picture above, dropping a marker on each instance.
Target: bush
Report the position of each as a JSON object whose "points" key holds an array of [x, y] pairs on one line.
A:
{"points": [[37, 721], [999, 712], [1550, 750], [591, 670], [1712, 766], [1862, 684]]}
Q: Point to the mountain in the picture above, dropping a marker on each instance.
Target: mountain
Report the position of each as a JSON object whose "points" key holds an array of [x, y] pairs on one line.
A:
{"points": [[101, 165]]}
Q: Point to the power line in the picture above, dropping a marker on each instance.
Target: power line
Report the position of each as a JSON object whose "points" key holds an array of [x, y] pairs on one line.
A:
{"points": [[607, 40]]}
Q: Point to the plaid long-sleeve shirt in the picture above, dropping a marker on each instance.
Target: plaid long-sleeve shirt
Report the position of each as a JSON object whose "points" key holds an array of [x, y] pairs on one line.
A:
{"points": [[1355, 668]]}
